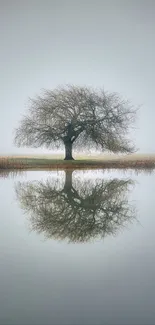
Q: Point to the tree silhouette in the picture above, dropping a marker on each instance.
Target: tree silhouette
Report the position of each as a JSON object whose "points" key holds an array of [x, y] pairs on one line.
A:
{"points": [[78, 213], [77, 115]]}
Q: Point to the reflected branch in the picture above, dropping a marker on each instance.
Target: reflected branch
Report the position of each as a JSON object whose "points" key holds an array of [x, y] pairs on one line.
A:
{"points": [[77, 212]]}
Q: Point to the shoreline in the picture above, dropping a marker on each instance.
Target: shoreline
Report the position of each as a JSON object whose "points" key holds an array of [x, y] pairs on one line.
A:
{"points": [[30, 163]]}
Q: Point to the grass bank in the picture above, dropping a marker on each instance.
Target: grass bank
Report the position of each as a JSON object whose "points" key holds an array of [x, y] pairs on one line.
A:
{"points": [[100, 162]]}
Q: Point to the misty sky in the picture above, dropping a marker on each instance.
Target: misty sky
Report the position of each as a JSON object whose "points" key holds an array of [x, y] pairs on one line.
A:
{"points": [[98, 43]]}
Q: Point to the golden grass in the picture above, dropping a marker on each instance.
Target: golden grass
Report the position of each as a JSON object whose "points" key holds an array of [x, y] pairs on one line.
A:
{"points": [[85, 157], [82, 162]]}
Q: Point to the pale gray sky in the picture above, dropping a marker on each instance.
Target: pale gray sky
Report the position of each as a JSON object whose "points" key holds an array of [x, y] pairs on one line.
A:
{"points": [[108, 43]]}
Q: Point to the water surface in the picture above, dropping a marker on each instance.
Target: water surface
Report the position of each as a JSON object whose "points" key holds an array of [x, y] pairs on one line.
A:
{"points": [[77, 248]]}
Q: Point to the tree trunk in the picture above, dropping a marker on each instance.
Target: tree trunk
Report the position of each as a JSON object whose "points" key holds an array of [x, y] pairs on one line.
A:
{"points": [[68, 151]]}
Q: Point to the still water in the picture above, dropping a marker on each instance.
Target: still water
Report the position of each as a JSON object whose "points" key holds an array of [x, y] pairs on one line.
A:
{"points": [[77, 248]]}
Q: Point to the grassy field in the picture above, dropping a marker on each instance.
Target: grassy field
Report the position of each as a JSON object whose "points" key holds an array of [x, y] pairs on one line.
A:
{"points": [[86, 157], [137, 161]]}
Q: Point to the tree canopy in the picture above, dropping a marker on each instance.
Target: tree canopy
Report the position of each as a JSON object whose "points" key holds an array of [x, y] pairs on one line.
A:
{"points": [[78, 211], [79, 116]]}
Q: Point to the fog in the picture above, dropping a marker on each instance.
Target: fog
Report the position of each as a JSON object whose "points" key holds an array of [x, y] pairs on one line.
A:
{"points": [[108, 44]]}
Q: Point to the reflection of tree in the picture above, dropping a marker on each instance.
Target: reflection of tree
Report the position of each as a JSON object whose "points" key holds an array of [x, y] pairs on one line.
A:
{"points": [[6, 173], [78, 213]]}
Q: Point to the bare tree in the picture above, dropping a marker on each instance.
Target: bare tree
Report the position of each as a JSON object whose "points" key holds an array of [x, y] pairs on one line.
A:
{"points": [[78, 212], [77, 115]]}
